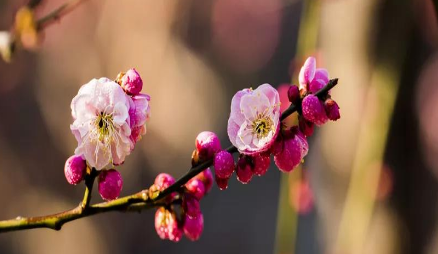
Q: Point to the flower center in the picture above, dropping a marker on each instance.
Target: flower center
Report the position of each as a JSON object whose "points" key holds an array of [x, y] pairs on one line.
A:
{"points": [[262, 125], [105, 126]]}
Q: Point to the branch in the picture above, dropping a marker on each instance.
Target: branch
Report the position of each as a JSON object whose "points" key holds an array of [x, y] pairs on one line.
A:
{"points": [[57, 13], [132, 203], [14, 36]]}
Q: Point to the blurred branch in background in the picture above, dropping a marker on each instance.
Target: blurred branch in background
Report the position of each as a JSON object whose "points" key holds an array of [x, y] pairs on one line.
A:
{"points": [[26, 30]]}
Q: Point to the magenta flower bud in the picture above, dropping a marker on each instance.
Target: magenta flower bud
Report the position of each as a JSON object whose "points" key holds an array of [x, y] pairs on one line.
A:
{"points": [[163, 181], [193, 227], [322, 74], [110, 184], [131, 82], [244, 169], [261, 163], [332, 109], [222, 183], [166, 225], [196, 188], [307, 72], [319, 81], [207, 178], [288, 153], [191, 205], [313, 110], [223, 164], [306, 127], [75, 169], [207, 144], [293, 94]]}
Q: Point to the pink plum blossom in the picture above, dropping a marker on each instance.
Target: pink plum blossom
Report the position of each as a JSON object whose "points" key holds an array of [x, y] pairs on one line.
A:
{"points": [[313, 110], [223, 164], [332, 109], [312, 79], [307, 72], [261, 163], [75, 169], [131, 82], [290, 151], [102, 123], [191, 205], [244, 169], [193, 227], [167, 226], [163, 181], [139, 113], [196, 188], [110, 184], [293, 94], [207, 144], [254, 119]]}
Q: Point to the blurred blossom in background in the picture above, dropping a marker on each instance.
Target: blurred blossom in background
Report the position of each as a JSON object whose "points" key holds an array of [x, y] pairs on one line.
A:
{"points": [[369, 184]]}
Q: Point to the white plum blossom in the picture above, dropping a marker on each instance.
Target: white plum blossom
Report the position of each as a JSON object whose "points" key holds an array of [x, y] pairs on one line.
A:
{"points": [[104, 119], [254, 119]]}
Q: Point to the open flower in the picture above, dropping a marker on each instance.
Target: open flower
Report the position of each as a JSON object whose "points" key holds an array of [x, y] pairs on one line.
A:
{"points": [[254, 119], [102, 123]]}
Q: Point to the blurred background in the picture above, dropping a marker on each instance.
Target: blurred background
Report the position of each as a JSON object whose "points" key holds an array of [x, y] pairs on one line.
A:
{"points": [[368, 185]]}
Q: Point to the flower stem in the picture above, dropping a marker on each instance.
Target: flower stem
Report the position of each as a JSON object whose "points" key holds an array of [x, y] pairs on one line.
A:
{"points": [[132, 203]]}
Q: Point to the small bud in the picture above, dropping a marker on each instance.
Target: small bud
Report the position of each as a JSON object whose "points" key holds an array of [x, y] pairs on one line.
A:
{"points": [[195, 158], [332, 109], [131, 82], [223, 164], [191, 205], [313, 110], [290, 152], [244, 169], [293, 94], [166, 225], [222, 183], [207, 178], [193, 227], [196, 188], [207, 144], [153, 191], [261, 163], [75, 169], [110, 184], [163, 181], [306, 127]]}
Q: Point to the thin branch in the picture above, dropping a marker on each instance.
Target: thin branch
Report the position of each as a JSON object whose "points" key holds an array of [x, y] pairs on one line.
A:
{"points": [[132, 203], [58, 13]]}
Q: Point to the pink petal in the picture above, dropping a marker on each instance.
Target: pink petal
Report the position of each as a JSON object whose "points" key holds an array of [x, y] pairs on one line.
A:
{"points": [[307, 72], [323, 74]]}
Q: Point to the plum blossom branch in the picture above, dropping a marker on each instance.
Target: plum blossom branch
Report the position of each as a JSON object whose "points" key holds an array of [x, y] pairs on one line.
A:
{"points": [[137, 202]]}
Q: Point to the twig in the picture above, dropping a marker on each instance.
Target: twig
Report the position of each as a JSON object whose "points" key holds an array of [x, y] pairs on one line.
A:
{"points": [[58, 13], [135, 202]]}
